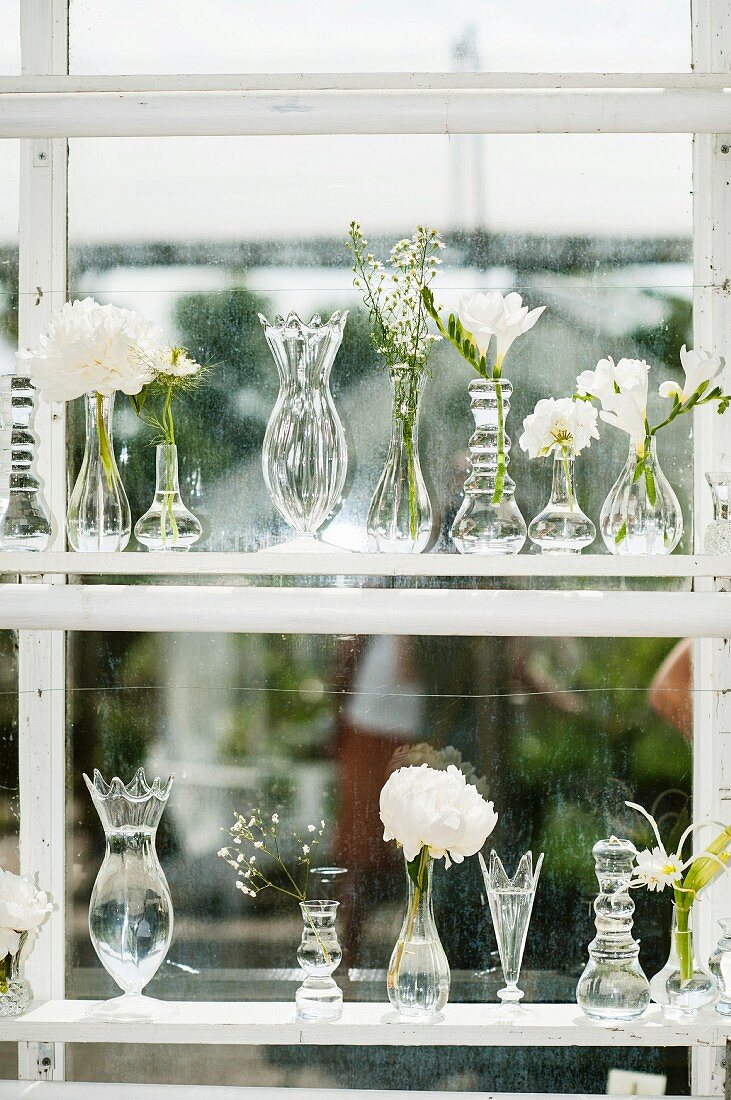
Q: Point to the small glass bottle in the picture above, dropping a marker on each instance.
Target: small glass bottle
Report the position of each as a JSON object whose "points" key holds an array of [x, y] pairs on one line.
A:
{"points": [[718, 533], [719, 965], [14, 991], [613, 985], [24, 524], [562, 528], [167, 524], [683, 984], [319, 954]]}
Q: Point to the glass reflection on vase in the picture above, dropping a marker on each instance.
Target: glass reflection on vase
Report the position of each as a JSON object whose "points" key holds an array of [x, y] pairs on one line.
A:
{"points": [[15, 994], [319, 954], [400, 516], [719, 965], [98, 516], [167, 524], [641, 514], [24, 521], [683, 985], [489, 520], [717, 538], [305, 455], [511, 904], [418, 973], [562, 527], [130, 912]]}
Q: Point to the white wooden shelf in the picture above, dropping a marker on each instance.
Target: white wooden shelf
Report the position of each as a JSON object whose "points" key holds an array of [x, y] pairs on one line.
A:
{"points": [[364, 1024], [91, 1090], [280, 562]]}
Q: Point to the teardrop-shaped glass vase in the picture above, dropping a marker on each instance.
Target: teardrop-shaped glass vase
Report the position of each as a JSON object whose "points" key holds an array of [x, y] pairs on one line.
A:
{"points": [[418, 974], [99, 518], [641, 514], [167, 524], [562, 527]]}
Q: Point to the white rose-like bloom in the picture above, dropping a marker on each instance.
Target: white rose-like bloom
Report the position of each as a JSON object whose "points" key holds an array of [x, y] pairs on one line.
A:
{"points": [[489, 314], [562, 422], [700, 367], [90, 348], [23, 907], [422, 807]]}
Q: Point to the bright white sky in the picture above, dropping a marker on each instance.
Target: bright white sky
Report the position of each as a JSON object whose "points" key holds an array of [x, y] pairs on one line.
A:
{"points": [[188, 189]]}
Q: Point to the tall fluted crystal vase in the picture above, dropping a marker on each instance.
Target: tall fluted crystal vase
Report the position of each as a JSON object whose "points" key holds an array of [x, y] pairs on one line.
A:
{"points": [[418, 974], [305, 455], [489, 521], [99, 517]]}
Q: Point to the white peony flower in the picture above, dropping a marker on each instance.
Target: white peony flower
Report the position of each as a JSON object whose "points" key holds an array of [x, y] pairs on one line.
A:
{"points": [[9, 942], [700, 369], [22, 905], [439, 810], [565, 423], [484, 315], [90, 348]]}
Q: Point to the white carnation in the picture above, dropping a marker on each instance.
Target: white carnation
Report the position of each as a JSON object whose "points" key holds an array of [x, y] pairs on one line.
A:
{"points": [[22, 905], [422, 807]]}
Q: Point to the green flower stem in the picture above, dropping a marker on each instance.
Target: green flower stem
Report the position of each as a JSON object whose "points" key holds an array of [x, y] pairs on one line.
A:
{"points": [[497, 495], [567, 472], [169, 433], [418, 871], [4, 973], [683, 937], [105, 451], [413, 503]]}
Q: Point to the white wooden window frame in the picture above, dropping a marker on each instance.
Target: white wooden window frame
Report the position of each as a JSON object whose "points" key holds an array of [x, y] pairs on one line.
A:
{"points": [[44, 107]]}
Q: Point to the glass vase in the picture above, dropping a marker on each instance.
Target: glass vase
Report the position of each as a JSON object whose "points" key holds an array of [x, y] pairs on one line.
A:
{"points": [[400, 516], [613, 985], [24, 524], [167, 524], [719, 965], [99, 516], [641, 514], [319, 954], [489, 521], [683, 985], [418, 973], [15, 995], [511, 904], [717, 538], [305, 455], [130, 912], [562, 528]]}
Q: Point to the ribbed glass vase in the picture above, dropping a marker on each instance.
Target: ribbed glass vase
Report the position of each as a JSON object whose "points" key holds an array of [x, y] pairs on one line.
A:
{"points": [[98, 515]]}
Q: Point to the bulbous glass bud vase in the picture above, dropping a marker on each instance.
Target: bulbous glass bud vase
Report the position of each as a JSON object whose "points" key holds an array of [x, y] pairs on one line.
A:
{"points": [[641, 514], [98, 516], [24, 522], [319, 954], [489, 521], [400, 517], [418, 975], [717, 538], [719, 965], [167, 524], [15, 994], [562, 528], [305, 455], [130, 912], [683, 985]]}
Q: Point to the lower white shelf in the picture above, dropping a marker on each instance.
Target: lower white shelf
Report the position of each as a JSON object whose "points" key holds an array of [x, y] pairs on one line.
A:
{"points": [[273, 1023]]}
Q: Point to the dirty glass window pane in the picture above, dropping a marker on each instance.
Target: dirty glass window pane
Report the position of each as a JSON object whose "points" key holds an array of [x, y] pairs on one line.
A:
{"points": [[239, 36], [9, 791], [558, 732], [258, 224]]}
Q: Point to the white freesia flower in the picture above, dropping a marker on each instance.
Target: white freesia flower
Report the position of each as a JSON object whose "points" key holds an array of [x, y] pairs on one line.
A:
{"points": [[90, 348], [425, 808], [559, 423], [700, 369], [621, 389], [488, 314], [23, 907]]}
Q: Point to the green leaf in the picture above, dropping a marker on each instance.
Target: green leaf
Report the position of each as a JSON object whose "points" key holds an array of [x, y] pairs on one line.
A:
{"points": [[621, 534], [413, 866], [650, 486]]}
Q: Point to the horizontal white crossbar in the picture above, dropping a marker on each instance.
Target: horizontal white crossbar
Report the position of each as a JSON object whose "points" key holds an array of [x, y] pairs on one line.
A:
{"points": [[379, 103], [364, 1024], [243, 609]]}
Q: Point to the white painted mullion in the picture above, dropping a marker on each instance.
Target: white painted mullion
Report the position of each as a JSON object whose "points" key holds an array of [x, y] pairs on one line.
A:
{"points": [[41, 654]]}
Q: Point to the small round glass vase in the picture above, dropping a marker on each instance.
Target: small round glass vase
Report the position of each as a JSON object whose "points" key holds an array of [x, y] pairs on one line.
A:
{"points": [[319, 954], [719, 965], [683, 986], [717, 539], [167, 524], [641, 514], [15, 993], [98, 516], [562, 528], [418, 973]]}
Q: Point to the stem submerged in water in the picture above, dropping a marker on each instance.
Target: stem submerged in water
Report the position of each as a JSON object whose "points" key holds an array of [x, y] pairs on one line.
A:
{"points": [[497, 495]]}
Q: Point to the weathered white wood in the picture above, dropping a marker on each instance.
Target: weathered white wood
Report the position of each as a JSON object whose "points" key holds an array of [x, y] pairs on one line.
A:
{"points": [[341, 563], [375, 103], [214, 608], [364, 1024], [90, 1090]]}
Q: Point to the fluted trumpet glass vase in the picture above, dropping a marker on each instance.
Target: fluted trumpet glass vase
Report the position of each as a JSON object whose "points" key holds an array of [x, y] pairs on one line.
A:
{"points": [[511, 904]]}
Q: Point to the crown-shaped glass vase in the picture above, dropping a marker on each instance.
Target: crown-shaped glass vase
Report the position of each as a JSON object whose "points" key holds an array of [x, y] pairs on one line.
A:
{"points": [[130, 912], [511, 904]]}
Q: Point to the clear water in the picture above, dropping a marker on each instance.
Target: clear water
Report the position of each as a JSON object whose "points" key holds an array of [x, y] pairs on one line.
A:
{"points": [[420, 986], [511, 910]]}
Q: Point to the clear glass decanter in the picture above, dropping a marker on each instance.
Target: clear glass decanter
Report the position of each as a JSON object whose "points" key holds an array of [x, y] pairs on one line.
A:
{"points": [[562, 528], [319, 954], [400, 516], [719, 965], [15, 995], [418, 973], [511, 904], [613, 985], [130, 912], [718, 533], [167, 524], [489, 521], [99, 517], [24, 522], [305, 455], [683, 985], [641, 514]]}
